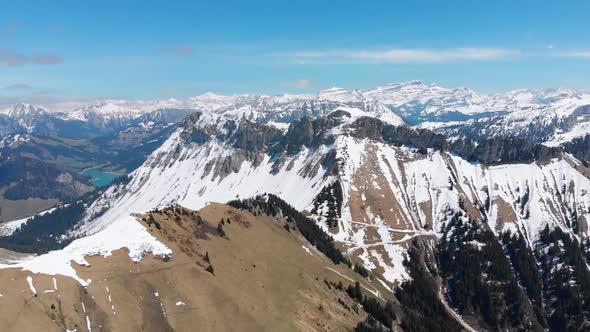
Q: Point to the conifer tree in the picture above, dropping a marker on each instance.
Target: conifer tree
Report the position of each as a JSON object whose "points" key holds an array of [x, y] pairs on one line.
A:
{"points": [[220, 230]]}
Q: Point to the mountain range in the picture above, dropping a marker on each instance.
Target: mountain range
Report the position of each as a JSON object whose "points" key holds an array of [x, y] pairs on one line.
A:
{"points": [[454, 210]]}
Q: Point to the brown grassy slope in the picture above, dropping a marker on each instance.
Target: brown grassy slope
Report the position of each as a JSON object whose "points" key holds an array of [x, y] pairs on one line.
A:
{"points": [[264, 280]]}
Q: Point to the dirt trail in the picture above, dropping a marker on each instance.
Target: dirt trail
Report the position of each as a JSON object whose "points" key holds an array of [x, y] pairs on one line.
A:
{"points": [[452, 312]]}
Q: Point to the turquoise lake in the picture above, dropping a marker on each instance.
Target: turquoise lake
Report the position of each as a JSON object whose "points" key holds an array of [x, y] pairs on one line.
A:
{"points": [[100, 178]]}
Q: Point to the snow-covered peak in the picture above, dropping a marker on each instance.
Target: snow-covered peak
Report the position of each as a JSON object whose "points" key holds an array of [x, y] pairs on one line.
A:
{"points": [[111, 109], [26, 116], [13, 140], [374, 109], [21, 110], [211, 101], [340, 95], [415, 102], [417, 98]]}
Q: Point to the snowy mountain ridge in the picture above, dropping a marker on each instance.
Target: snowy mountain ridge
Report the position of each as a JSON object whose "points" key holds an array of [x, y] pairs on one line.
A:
{"points": [[390, 194], [378, 187], [547, 115]]}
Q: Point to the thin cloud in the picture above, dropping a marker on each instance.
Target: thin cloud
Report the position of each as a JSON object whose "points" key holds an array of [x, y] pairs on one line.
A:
{"points": [[300, 84], [53, 103], [576, 54], [11, 58], [18, 86], [399, 55]]}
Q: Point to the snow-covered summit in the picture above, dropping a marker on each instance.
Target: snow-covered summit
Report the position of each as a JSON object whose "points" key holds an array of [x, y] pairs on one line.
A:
{"points": [[122, 109], [540, 115]]}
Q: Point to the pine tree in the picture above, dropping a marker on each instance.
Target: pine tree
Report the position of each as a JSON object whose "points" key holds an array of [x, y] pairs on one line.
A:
{"points": [[198, 219], [220, 230]]}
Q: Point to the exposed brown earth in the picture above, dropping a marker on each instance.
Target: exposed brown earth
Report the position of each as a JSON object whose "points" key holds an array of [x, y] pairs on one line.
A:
{"points": [[468, 195], [506, 212], [374, 205], [263, 280]]}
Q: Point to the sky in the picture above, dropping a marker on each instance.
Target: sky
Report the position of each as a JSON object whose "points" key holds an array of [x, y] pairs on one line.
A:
{"points": [[76, 50]]}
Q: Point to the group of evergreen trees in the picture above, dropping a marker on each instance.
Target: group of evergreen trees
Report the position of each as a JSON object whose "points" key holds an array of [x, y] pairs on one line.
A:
{"points": [[479, 277], [380, 316], [42, 233], [331, 197], [272, 205], [420, 305], [579, 148], [566, 281], [526, 270]]}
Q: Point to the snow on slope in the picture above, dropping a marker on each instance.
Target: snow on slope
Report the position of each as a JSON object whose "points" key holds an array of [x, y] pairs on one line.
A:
{"points": [[581, 129], [414, 96], [417, 97], [113, 109], [341, 95], [392, 195], [177, 172], [124, 232], [164, 180], [210, 101], [378, 112], [426, 105], [537, 195], [9, 227]]}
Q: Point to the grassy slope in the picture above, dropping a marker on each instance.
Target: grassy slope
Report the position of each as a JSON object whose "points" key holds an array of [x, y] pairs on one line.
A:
{"points": [[22, 208], [264, 281]]}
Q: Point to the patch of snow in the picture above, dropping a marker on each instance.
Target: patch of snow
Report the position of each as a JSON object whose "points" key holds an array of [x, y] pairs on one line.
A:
{"points": [[579, 130], [88, 324], [125, 232], [31, 286]]}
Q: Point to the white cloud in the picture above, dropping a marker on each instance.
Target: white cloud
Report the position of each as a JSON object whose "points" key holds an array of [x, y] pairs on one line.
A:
{"points": [[62, 104], [576, 54], [399, 55], [301, 84]]}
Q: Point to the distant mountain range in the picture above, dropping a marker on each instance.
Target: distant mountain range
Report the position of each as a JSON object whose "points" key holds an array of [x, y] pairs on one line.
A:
{"points": [[552, 116]]}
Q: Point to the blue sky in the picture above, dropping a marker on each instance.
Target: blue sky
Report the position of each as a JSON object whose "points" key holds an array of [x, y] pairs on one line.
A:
{"points": [[156, 49]]}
